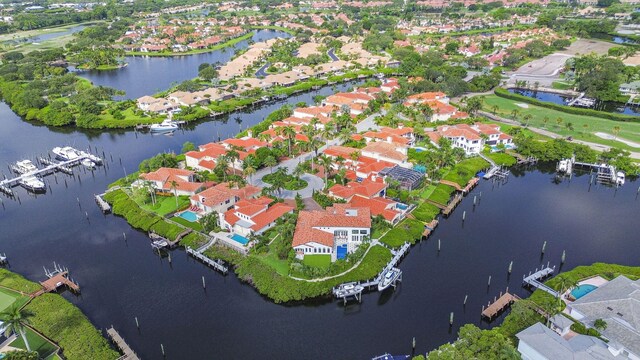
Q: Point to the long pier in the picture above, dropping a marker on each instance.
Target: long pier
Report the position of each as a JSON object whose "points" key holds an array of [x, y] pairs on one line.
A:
{"points": [[102, 204], [355, 289], [533, 279], [452, 205], [216, 265], [129, 354], [51, 167]]}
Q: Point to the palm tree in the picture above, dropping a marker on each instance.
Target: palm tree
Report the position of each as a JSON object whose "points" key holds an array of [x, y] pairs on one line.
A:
{"points": [[354, 156], [569, 126], [15, 321], [289, 133], [616, 131], [249, 171], [174, 187], [585, 126], [526, 118], [495, 109], [232, 156], [326, 163], [600, 324], [559, 121], [515, 113], [270, 161], [545, 121]]}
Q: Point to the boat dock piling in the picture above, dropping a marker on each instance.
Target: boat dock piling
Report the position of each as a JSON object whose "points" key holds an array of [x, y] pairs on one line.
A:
{"points": [[533, 279], [55, 166], [428, 228], [104, 206], [57, 278], [122, 345], [215, 264], [3, 259], [452, 205], [499, 303]]}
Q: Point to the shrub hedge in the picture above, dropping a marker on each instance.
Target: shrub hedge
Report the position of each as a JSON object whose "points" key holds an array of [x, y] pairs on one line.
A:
{"points": [[504, 93], [408, 230]]}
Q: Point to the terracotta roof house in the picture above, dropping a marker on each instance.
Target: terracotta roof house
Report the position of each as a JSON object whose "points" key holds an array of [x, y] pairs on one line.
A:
{"points": [[164, 180], [390, 152], [221, 198], [253, 216], [336, 231]]}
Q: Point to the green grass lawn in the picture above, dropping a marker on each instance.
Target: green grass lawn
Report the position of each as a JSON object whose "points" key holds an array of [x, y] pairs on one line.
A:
{"points": [[10, 298], [36, 342], [629, 131], [166, 204], [561, 85], [502, 159], [321, 260], [291, 182], [190, 224], [280, 266], [465, 170]]}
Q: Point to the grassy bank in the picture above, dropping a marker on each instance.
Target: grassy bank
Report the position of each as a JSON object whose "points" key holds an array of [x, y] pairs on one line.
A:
{"points": [[281, 288], [60, 321]]}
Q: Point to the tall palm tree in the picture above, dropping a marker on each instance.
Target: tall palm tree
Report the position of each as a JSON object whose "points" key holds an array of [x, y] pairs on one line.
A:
{"points": [[559, 121], [545, 121], [326, 163], [249, 171], [174, 187], [289, 133], [270, 161], [15, 321], [616, 131], [515, 113]]}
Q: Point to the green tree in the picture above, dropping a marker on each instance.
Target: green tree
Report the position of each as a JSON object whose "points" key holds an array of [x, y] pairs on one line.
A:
{"points": [[600, 325], [270, 161], [15, 321], [188, 146]]}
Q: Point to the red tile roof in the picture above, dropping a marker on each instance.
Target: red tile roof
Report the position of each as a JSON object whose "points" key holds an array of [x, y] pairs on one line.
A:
{"points": [[335, 216]]}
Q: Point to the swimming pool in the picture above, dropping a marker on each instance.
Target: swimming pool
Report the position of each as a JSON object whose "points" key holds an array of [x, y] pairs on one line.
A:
{"points": [[582, 290], [402, 206], [240, 239], [189, 216]]}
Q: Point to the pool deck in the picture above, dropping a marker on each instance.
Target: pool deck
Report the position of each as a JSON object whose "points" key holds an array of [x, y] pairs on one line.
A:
{"points": [[595, 281]]}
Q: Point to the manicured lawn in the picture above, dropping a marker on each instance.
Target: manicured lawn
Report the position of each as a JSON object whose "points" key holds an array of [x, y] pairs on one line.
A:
{"points": [[560, 85], [271, 259], [502, 159], [323, 260], [291, 182], [10, 298], [17, 282], [427, 191], [166, 204], [194, 225], [629, 131], [441, 194], [465, 170], [408, 230], [36, 342]]}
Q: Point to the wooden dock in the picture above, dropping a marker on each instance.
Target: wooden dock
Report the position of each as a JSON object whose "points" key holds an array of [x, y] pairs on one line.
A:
{"points": [[499, 304], [428, 228], [57, 280], [452, 205], [128, 354], [160, 242]]}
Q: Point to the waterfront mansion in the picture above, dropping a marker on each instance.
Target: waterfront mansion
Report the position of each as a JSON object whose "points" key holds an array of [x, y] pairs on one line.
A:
{"points": [[337, 231]]}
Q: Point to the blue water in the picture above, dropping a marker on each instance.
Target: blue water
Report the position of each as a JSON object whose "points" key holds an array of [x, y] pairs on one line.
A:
{"points": [[189, 216], [582, 290], [341, 252], [241, 239], [611, 107], [402, 206]]}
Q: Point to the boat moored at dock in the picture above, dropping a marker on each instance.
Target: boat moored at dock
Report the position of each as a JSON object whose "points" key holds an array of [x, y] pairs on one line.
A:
{"points": [[33, 184], [164, 127], [389, 278], [23, 167]]}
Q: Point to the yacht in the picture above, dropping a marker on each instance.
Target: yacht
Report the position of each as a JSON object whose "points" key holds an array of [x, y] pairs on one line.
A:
{"points": [[165, 126], [23, 167], [388, 278], [33, 183], [65, 153]]}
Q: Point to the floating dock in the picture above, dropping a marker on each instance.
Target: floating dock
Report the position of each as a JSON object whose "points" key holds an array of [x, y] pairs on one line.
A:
{"points": [[128, 354], [428, 228], [56, 279], [102, 204]]}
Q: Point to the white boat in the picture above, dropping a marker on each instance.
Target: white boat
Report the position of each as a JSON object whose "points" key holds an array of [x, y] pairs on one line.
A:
{"points": [[65, 153], [33, 183], [165, 126], [24, 166], [388, 278], [88, 163], [620, 177]]}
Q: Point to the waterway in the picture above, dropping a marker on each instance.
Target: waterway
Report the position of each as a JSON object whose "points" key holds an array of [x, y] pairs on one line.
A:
{"points": [[123, 279], [147, 75], [563, 99]]}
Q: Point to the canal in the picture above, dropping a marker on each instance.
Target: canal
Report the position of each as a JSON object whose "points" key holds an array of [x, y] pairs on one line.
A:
{"points": [[147, 75], [606, 106]]}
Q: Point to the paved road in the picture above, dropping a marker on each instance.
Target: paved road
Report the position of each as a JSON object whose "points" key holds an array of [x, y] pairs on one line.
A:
{"points": [[332, 55], [594, 146], [314, 182]]}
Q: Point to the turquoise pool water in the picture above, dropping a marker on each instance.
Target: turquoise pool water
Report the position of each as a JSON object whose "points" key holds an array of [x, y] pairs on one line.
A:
{"points": [[582, 290], [241, 239], [402, 206], [189, 216]]}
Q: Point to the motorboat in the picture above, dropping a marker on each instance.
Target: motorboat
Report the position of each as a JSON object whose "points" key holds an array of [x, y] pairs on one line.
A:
{"points": [[24, 167], [65, 153], [33, 183], [620, 178], [163, 127], [86, 162], [388, 278]]}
